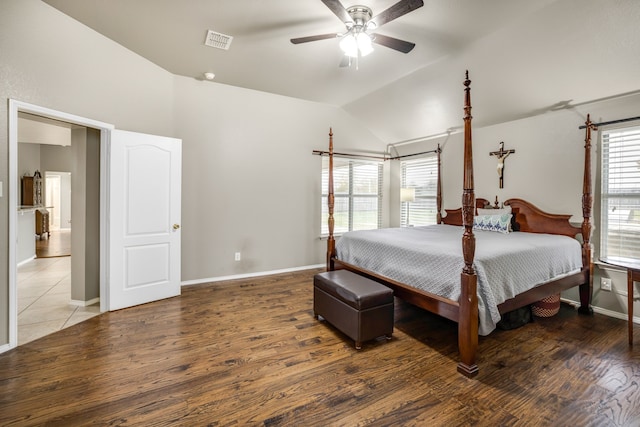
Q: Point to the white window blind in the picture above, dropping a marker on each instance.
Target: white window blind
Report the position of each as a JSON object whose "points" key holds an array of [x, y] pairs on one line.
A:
{"points": [[358, 194], [620, 215], [421, 175]]}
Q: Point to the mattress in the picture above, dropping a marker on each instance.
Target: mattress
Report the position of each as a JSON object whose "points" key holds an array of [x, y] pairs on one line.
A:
{"points": [[430, 258]]}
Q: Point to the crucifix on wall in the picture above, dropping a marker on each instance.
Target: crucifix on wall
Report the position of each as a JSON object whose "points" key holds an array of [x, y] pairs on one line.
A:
{"points": [[501, 154]]}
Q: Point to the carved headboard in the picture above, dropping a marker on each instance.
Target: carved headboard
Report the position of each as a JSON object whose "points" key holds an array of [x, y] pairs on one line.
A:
{"points": [[530, 219], [454, 216]]}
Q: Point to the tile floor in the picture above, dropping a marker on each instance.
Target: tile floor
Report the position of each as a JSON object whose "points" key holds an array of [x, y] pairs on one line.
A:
{"points": [[44, 295]]}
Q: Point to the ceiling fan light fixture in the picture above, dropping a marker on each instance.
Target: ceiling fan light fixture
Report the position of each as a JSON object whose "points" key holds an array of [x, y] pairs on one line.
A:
{"points": [[360, 24], [349, 45], [364, 44], [358, 44]]}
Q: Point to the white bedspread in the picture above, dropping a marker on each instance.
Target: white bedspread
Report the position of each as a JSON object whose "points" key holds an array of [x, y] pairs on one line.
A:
{"points": [[430, 258]]}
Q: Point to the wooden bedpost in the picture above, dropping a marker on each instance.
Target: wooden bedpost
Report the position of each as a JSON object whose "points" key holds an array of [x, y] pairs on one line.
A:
{"points": [[586, 289], [468, 315], [331, 242], [439, 189]]}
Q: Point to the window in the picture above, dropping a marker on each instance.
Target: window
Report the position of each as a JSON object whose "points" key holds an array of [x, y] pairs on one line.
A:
{"points": [[358, 195], [422, 176], [620, 211]]}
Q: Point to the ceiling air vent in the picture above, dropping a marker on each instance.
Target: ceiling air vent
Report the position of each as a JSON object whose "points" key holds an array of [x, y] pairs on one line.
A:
{"points": [[218, 40]]}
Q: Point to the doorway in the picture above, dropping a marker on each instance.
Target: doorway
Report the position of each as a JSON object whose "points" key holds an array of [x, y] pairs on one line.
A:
{"points": [[51, 290], [88, 139], [58, 197], [119, 239], [57, 201], [52, 183]]}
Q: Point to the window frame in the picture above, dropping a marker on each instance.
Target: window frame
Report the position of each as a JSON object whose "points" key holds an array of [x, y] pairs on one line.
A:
{"points": [[630, 198], [351, 196], [426, 194]]}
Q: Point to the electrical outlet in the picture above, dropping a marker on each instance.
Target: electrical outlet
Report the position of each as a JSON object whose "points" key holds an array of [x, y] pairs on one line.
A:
{"points": [[237, 256], [605, 283]]}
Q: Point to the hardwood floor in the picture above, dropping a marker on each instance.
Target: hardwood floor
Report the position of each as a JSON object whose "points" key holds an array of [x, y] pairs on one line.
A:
{"points": [[248, 352], [56, 244]]}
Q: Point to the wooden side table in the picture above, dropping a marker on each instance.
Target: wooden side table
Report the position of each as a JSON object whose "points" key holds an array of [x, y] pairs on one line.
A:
{"points": [[633, 275]]}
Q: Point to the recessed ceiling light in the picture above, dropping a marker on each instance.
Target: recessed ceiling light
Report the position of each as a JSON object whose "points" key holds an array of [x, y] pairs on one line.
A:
{"points": [[209, 76]]}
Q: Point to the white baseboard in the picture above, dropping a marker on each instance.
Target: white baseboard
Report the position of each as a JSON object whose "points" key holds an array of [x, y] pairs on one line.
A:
{"points": [[26, 260], [248, 275], [5, 347], [603, 311], [84, 303]]}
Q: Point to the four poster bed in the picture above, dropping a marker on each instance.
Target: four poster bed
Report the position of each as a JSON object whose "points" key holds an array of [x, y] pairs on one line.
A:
{"points": [[468, 298]]}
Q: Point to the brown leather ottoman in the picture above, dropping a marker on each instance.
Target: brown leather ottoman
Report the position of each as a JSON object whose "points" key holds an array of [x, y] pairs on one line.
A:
{"points": [[359, 307]]}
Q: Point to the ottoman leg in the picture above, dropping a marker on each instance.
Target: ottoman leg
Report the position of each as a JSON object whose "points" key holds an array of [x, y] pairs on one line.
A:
{"points": [[358, 345]]}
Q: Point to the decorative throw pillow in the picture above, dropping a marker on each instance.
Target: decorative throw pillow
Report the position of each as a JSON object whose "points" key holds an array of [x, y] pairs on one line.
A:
{"points": [[499, 223]]}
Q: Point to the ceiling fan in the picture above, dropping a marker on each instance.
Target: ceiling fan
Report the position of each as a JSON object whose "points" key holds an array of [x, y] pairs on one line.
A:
{"points": [[359, 21]]}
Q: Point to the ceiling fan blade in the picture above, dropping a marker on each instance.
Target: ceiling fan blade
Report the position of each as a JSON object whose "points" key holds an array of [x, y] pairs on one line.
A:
{"points": [[393, 43], [338, 9], [313, 38], [397, 10]]}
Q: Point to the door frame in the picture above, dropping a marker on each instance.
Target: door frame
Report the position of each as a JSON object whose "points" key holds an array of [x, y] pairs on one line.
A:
{"points": [[59, 175], [105, 136]]}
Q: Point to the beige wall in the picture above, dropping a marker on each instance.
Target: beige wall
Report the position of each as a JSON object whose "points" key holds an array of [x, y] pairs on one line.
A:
{"points": [[56, 158], [85, 214], [250, 182], [28, 161]]}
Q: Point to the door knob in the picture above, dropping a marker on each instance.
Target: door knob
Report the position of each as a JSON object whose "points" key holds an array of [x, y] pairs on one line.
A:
{"points": [[176, 226]]}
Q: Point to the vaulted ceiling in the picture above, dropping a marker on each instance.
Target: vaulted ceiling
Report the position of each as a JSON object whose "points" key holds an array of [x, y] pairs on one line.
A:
{"points": [[524, 57]]}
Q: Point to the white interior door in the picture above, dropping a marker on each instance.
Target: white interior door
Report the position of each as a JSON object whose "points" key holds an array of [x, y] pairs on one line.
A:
{"points": [[144, 218]]}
